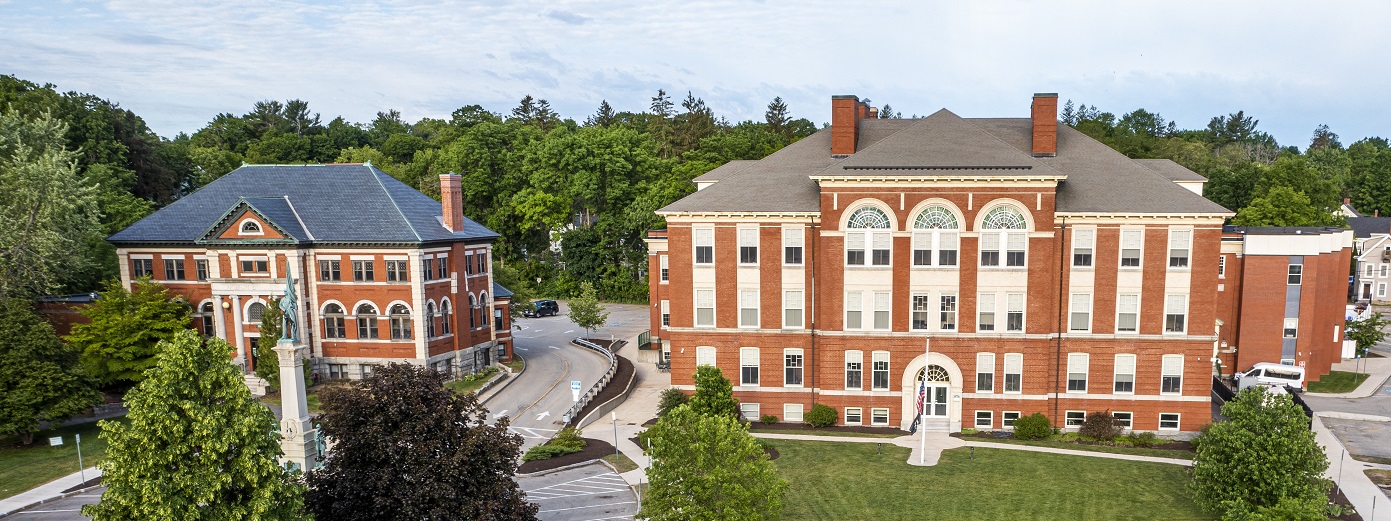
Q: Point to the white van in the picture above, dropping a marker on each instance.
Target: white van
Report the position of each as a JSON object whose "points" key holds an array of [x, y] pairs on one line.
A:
{"points": [[1271, 375]]}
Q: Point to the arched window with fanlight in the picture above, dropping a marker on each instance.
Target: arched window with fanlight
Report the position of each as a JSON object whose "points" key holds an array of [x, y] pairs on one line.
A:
{"points": [[429, 320], [334, 322], [868, 231], [205, 319], [1004, 234], [935, 229], [445, 326], [250, 227], [400, 322], [366, 321]]}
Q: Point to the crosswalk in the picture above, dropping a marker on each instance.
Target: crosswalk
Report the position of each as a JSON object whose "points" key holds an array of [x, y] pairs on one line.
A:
{"points": [[608, 483], [532, 432]]}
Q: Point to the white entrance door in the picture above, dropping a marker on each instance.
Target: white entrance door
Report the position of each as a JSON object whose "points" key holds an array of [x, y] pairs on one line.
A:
{"points": [[932, 395], [936, 401]]}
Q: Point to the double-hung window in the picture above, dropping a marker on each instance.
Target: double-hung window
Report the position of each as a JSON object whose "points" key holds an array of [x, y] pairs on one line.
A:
{"points": [[705, 308], [881, 370], [1080, 320], [666, 313], [920, 312], [362, 271], [1171, 377], [1077, 372], [748, 246], [854, 306], [868, 227], [792, 367], [792, 309], [704, 241], [1014, 372], [792, 246], [366, 321], [748, 366], [662, 264], [1083, 241], [854, 369], [173, 269], [1014, 312], [142, 267], [882, 303], [396, 271], [748, 308], [202, 266], [705, 355], [330, 270], [443, 265], [1127, 313], [1175, 313], [427, 268], [985, 372], [1296, 274], [1124, 375], [400, 322], [947, 317], [1178, 247], [1131, 242], [255, 265], [1003, 234], [985, 312], [935, 229]]}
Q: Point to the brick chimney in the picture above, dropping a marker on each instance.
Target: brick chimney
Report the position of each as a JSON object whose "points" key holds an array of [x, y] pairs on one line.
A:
{"points": [[452, 201], [846, 113], [1045, 118]]}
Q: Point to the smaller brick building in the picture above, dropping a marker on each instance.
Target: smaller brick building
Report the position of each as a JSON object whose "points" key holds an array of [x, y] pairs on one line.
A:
{"points": [[1281, 297]]}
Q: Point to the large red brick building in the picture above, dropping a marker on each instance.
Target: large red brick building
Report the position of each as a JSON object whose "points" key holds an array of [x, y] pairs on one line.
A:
{"points": [[383, 272], [990, 267]]}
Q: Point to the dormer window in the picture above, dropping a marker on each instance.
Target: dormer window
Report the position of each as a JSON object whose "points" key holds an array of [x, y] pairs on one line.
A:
{"points": [[250, 227]]}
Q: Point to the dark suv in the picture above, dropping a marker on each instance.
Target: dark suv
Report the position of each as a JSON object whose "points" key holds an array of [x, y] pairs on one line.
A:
{"points": [[542, 308]]}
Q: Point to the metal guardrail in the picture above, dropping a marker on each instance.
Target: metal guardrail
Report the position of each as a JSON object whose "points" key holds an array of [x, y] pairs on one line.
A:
{"points": [[598, 387], [645, 341]]}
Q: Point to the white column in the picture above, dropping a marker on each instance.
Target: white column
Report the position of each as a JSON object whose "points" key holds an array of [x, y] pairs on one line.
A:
{"points": [[237, 332], [298, 436]]}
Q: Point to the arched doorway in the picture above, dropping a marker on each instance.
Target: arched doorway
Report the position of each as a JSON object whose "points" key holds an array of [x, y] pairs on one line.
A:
{"points": [[932, 385]]}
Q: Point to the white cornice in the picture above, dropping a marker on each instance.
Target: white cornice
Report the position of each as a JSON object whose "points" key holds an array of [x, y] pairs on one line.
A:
{"points": [[702, 216], [837, 181], [1157, 217]]}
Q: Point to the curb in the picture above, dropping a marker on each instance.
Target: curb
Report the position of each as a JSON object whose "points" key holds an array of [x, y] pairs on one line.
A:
{"points": [[1352, 416], [571, 466], [616, 401], [54, 498], [499, 387]]}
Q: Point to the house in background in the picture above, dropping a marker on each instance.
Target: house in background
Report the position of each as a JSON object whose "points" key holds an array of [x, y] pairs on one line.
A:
{"points": [[383, 272], [1372, 273]]}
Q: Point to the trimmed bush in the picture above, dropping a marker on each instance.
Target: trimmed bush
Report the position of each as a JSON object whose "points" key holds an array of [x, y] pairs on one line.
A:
{"points": [[1101, 426], [1032, 427], [671, 399], [568, 441], [1143, 439], [820, 415], [769, 419]]}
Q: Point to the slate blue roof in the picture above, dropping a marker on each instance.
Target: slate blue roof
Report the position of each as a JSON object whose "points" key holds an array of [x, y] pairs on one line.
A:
{"points": [[501, 292], [339, 203]]}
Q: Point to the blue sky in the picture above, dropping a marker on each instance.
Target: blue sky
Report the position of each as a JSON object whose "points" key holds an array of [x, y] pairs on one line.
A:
{"points": [[179, 63]]}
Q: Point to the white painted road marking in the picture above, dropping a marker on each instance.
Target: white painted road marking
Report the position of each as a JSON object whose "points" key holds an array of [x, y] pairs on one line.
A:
{"points": [[569, 331], [553, 347], [500, 414], [539, 417]]}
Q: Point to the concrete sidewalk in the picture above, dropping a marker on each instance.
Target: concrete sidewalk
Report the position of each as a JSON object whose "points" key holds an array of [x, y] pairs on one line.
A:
{"points": [[1347, 473], [45, 492], [1378, 370], [939, 441]]}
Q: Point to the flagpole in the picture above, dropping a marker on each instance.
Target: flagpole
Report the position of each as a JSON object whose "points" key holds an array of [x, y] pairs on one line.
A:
{"points": [[922, 395]]}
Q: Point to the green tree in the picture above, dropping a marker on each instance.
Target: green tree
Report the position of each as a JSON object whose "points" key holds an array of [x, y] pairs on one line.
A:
{"points": [[714, 396], [1262, 453], [407, 448], [48, 213], [267, 361], [1282, 206], [586, 311], [195, 445], [40, 380], [1367, 332], [709, 468], [125, 330]]}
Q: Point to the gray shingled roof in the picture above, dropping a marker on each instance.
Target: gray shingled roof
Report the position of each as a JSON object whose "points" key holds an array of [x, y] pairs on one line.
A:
{"points": [[1098, 179], [1363, 227], [724, 171], [1170, 170], [342, 203]]}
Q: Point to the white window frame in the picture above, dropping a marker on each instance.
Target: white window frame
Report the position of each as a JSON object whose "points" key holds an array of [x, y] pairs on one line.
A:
{"points": [[241, 227], [748, 308], [1079, 318], [1074, 419], [857, 357], [1221, 266], [1381, 289], [1127, 421], [787, 367], [1084, 244], [883, 310], [792, 302], [748, 238], [985, 365], [985, 305], [702, 237], [1014, 365], [988, 416], [1171, 366], [919, 308], [857, 413], [879, 412], [1295, 275], [705, 355], [1177, 421], [854, 303], [1007, 419], [1385, 268], [664, 267], [1078, 364], [751, 411], [1124, 365], [1131, 308], [1180, 239], [876, 358], [1132, 239], [1368, 270], [705, 296], [793, 237], [948, 316], [793, 412], [936, 241], [666, 313], [1176, 305], [1291, 329], [748, 358], [1010, 300]]}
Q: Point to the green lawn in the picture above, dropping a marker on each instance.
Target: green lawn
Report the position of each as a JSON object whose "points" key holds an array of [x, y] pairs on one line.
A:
{"points": [[851, 481], [756, 429], [1337, 382], [466, 385], [24, 468], [1109, 449], [517, 363]]}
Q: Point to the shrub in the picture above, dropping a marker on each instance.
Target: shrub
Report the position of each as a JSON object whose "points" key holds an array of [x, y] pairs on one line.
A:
{"points": [[1032, 427], [643, 436], [821, 415], [568, 441], [568, 437], [769, 419], [1101, 426], [1143, 439], [671, 399]]}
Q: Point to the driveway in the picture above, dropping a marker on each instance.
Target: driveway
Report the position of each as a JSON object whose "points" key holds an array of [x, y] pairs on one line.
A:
{"points": [[590, 492]]}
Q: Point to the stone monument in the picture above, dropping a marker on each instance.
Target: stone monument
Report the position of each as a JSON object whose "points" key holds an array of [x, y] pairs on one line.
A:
{"points": [[299, 438]]}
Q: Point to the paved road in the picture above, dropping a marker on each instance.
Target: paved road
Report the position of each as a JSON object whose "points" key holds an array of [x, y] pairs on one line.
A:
{"points": [[66, 509], [592, 492], [539, 398]]}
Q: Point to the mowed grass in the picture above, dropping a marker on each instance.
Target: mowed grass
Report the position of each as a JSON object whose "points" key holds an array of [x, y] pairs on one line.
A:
{"points": [[1337, 382], [23, 468], [1109, 449], [836, 481]]}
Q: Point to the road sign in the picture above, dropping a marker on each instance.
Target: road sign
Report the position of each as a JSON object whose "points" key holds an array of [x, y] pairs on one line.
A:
{"points": [[55, 441], [575, 390]]}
